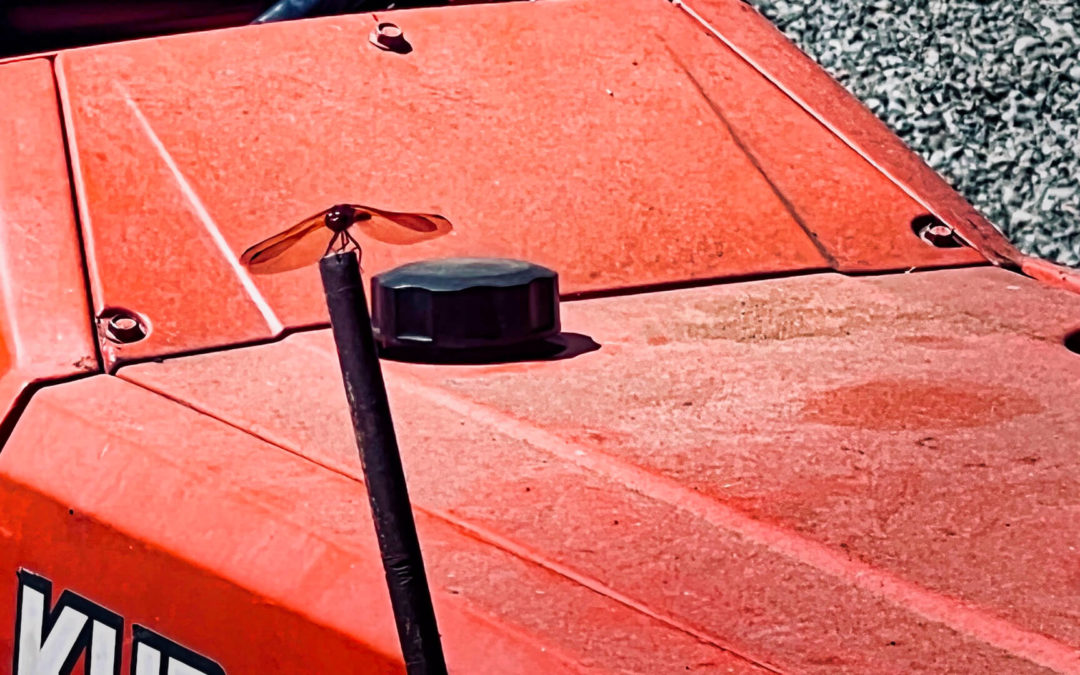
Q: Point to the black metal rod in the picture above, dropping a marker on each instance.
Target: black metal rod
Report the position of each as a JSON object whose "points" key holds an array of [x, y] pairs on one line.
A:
{"points": [[383, 473]]}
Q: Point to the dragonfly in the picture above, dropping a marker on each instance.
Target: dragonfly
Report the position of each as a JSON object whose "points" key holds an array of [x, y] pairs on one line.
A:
{"points": [[329, 231]]}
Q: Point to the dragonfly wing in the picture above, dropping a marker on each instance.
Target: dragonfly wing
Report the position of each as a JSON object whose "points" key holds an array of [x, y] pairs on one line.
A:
{"points": [[307, 241], [300, 245], [391, 227]]}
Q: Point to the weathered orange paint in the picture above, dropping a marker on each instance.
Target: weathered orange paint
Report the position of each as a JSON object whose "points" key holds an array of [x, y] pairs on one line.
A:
{"points": [[814, 473], [1051, 274], [266, 562], [743, 460], [738, 25], [649, 153], [45, 324]]}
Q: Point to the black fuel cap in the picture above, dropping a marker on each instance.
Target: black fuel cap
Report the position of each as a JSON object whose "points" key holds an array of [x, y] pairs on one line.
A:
{"points": [[464, 304]]}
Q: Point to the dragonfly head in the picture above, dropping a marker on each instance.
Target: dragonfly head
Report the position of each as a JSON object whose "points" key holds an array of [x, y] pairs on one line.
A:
{"points": [[340, 217]]}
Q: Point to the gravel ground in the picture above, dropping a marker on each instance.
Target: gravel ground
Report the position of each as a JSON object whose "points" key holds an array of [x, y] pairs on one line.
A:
{"points": [[987, 91]]}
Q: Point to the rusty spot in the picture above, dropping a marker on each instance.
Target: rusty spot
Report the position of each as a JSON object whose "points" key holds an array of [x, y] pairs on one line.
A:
{"points": [[895, 405], [85, 363]]}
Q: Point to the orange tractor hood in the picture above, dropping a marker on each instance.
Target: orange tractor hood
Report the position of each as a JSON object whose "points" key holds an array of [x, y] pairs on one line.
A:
{"points": [[797, 436], [620, 144]]}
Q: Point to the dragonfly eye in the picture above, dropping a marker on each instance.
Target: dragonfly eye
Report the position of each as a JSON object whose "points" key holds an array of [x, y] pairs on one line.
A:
{"points": [[340, 217]]}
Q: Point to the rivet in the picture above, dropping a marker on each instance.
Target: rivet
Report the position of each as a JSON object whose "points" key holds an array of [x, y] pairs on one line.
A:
{"points": [[389, 37], [934, 232], [123, 326]]}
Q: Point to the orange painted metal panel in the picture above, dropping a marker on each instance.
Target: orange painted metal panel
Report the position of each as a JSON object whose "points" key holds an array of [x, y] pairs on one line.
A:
{"points": [[738, 25], [266, 562], [860, 220], [1050, 273], [773, 475], [45, 325], [156, 258], [648, 153], [820, 473]]}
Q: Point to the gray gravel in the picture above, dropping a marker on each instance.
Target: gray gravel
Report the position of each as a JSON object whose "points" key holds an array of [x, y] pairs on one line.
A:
{"points": [[988, 92]]}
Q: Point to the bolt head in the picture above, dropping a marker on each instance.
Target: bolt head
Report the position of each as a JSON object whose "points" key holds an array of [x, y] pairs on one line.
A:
{"points": [[124, 327], [934, 232], [939, 234], [389, 37]]}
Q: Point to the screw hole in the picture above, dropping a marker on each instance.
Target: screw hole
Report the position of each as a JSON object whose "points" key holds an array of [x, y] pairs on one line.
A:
{"points": [[934, 232], [123, 326], [1072, 342]]}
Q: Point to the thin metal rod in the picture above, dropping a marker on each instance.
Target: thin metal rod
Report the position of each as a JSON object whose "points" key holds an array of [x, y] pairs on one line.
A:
{"points": [[383, 473]]}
